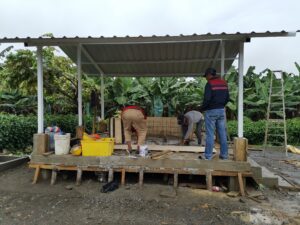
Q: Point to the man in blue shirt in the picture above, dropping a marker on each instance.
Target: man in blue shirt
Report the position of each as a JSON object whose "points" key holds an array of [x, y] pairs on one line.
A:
{"points": [[216, 96]]}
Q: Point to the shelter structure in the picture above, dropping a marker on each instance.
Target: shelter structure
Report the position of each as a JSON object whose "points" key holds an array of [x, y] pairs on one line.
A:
{"points": [[160, 56]]}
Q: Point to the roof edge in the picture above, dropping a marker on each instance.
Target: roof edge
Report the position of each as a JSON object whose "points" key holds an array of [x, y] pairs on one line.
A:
{"points": [[58, 41]]}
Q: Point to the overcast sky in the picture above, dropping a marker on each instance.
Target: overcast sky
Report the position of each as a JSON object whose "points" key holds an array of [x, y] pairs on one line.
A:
{"points": [[33, 18]]}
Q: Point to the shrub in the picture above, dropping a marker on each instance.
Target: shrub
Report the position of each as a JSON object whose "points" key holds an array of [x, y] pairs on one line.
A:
{"points": [[254, 131], [16, 132]]}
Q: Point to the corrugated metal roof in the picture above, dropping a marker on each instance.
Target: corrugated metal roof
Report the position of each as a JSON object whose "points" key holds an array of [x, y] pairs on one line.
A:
{"points": [[183, 55], [155, 59]]}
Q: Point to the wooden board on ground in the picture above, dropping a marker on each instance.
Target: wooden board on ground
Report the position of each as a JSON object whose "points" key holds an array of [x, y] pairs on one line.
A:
{"points": [[174, 148]]}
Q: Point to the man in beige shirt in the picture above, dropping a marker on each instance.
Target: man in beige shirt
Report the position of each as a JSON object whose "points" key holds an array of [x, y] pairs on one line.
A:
{"points": [[134, 119]]}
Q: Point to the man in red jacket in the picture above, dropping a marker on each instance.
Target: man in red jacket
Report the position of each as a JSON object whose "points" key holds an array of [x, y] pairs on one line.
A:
{"points": [[216, 96], [134, 119]]}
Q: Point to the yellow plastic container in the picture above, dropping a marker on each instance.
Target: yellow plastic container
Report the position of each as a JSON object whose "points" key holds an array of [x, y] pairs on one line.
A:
{"points": [[102, 147], [87, 137]]}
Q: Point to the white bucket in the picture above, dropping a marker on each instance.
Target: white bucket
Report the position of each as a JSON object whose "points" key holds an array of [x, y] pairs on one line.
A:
{"points": [[62, 144], [144, 150]]}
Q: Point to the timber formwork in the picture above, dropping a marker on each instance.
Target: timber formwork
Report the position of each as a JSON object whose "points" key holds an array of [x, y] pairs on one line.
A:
{"points": [[175, 164]]}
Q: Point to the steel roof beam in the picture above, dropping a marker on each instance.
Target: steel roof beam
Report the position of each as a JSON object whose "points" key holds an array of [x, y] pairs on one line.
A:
{"points": [[98, 68], [158, 61]]}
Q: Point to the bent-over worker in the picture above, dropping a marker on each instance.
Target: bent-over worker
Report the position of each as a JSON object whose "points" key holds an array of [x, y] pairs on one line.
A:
{"points": [[190, 118], [134, 119]]}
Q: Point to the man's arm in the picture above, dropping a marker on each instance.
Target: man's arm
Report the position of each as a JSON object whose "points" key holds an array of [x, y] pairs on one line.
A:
{"points": [[207, 97], [190, 129]]}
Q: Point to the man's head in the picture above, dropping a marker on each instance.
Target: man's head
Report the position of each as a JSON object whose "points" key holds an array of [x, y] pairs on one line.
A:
{"points": [[210, 73]]}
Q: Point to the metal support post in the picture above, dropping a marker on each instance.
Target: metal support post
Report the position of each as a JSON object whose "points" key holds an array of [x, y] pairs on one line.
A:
{"points": [[40, 89], [240, 91], [79, 85], [102, 96]]}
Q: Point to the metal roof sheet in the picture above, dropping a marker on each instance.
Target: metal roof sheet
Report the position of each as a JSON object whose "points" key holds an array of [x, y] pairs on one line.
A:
{"points": [[183, 55]]}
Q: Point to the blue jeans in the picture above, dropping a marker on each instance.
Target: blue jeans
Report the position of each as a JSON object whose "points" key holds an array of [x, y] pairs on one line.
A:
{"points": [[215, 119]]}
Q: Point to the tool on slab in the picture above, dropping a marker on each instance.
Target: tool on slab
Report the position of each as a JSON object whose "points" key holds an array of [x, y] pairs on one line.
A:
{"points": [[161, 154]]}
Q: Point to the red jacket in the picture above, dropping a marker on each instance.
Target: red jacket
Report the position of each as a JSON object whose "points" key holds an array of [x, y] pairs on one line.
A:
{"points": [[216, 94]]}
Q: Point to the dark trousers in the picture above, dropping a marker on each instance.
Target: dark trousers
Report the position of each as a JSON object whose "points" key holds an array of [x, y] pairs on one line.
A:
{"points": [[184, 129]]}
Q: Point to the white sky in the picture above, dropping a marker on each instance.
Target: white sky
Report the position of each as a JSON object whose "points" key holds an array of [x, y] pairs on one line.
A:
{"points": [[33, 18]]}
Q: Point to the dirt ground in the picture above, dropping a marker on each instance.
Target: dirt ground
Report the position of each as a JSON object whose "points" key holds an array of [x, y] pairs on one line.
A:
{"points": [[287, 166], [64, 203]]}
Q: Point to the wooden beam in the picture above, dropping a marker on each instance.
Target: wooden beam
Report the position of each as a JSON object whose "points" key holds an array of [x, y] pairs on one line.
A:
{"points": [[175, 184], [110, 174], [40, 143], [240, 148], [79, 132], [78, 176], [161, 154], [123, 174], [53, 176], [187, 166], [208, 177], [141, 177], [174, 148], [241, 184], [36, 174], [118, 131], [129, 168]]}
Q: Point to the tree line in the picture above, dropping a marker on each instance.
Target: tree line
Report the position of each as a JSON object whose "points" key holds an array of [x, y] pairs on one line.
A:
{"points": [[160, 96]]}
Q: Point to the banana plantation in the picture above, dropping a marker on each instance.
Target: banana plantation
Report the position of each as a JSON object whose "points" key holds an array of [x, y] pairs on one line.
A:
{"points": [[159, 96]]}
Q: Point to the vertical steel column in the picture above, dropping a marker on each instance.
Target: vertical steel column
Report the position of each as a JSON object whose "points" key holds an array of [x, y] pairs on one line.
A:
{"points": [[222, 58], [102, 96], [40, 89], [79, 85], [240, 91]]}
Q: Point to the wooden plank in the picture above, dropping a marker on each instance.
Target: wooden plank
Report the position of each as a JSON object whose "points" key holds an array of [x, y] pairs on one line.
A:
{"points": [[118, 130], [36, 174], [161, 154], [124, 161], [174, 148], [48, 153], [241, 184]]}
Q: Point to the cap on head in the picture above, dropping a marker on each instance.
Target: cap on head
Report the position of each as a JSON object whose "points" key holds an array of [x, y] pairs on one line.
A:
{"points": [[210, 71]]}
